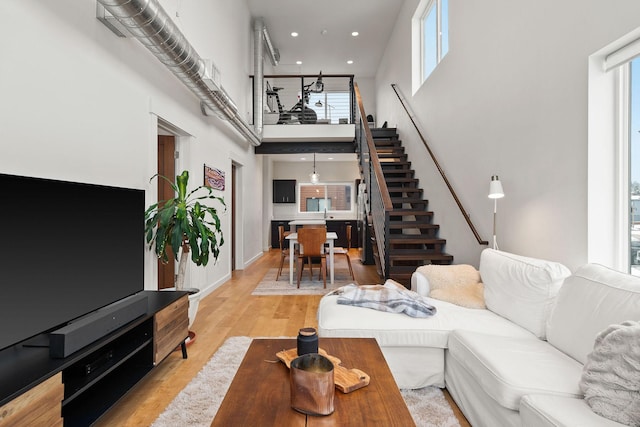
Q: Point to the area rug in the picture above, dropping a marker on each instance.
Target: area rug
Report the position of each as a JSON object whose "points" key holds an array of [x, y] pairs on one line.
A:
{"points": [[270, 286], [197, 404]]}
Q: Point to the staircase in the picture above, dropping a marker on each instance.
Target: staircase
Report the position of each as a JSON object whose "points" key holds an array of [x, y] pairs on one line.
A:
{"points": [[412, 236]]}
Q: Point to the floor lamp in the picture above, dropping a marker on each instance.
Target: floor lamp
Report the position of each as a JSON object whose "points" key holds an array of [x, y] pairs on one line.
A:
{"points": [[495, 193]]}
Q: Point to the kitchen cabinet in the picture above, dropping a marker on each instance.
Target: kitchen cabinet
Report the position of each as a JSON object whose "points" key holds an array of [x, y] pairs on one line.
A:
{"points": [[284, 191], [336, 225]]}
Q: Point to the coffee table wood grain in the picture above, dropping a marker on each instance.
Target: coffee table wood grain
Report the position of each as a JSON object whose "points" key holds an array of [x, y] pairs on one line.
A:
{"points": [[260, 393]]}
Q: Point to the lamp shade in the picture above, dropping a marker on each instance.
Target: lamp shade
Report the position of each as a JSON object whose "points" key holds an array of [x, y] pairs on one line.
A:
{"points": [[495, 188]]}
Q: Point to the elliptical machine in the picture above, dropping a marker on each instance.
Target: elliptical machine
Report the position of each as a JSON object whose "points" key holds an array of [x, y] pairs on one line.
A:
{"points": [[300, 112]]}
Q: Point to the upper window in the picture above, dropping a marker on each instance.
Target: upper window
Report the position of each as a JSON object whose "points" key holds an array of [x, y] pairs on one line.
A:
{"points": [[430, 39]]}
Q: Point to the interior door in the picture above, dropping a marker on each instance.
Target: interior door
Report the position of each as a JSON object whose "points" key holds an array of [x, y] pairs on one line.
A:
{"points": [[166, 167], [233, 216]]}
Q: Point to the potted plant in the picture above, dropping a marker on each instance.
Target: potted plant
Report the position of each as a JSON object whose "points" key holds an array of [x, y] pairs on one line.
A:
{"points": [[185, 225]]}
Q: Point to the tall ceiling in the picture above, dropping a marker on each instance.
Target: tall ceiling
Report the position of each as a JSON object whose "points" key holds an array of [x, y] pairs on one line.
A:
{"points": [[324, 42]]}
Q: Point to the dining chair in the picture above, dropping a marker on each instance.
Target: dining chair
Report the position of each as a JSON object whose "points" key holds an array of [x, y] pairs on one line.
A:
{"points": [[345, 251], [311, 241], [284, 247]]}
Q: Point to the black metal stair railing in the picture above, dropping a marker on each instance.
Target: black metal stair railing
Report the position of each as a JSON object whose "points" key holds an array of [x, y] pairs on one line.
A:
{"points": [[379, 203]]}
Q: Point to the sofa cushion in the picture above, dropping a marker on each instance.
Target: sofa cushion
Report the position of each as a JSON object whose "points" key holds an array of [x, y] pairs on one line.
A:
{"points": [[509, 368], [398, 330], [521, 289], [543, 410], [458, 284], [590, 300]]}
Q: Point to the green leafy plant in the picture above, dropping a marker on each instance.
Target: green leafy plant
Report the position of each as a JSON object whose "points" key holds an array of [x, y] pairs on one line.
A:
{"points": [[184, 222]]}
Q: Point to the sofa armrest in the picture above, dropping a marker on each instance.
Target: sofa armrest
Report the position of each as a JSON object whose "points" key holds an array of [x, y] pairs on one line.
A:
{"points": [[420, 284]]}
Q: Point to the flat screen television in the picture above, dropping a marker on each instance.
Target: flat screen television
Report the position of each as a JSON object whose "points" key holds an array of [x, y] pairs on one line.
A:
{"points": [[66, 249]]}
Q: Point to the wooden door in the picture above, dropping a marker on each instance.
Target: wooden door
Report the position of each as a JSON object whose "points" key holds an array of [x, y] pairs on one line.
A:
{"points": [[166, 167], [234, 172]]}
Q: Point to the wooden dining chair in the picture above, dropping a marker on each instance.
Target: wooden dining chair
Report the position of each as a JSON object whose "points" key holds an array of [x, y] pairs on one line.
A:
{"points": [[284, 247], [312, 241], [345, 251]]}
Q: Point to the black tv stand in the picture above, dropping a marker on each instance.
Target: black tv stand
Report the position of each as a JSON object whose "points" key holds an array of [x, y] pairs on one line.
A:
{"points": [[98, 375]]}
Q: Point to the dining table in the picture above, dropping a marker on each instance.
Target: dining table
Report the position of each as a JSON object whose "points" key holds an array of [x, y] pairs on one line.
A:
{"points": [[293, 241]]}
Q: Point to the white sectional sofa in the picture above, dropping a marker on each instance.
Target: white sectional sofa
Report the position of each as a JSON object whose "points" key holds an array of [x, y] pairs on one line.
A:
{"points": [[517, 362]]}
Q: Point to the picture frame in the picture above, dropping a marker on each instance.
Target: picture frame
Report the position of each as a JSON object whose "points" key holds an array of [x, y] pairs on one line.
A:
{"points": [[214, 178]]}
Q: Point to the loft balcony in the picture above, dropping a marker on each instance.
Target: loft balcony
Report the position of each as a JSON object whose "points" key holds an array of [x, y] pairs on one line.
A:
{"points": [[308, 113]]}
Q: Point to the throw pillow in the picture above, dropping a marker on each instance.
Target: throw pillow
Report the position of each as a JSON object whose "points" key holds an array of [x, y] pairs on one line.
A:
{"points": [[611, 376], [458, 284]]}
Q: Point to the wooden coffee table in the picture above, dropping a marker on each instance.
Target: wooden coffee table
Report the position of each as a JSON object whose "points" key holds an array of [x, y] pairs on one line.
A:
{"points": [[260, 392]]}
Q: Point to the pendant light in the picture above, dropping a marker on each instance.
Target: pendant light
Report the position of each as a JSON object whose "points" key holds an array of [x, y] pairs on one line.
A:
{"points": [[315, 178]]}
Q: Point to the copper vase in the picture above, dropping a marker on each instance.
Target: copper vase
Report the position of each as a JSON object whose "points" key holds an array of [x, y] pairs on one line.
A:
{"points": [[312, 384]]}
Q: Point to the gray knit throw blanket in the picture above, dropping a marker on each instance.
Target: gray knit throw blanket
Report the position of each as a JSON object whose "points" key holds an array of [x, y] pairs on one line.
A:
{"points": [[387, 297], [611, 376]]}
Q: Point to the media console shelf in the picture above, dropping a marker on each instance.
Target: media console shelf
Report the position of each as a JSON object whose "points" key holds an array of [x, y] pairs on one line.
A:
{"points": [[95, 377]]}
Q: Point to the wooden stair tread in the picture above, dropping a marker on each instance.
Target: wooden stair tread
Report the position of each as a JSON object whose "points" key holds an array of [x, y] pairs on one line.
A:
{"points": [[412, 224], [420, 255], [407, 212], [405, 190], [414, 238]]}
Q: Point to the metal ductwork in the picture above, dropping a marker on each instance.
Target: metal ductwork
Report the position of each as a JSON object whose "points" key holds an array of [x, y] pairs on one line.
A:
{"points": [[261, 41], [147, 21], [274, 54], [258, 74]]}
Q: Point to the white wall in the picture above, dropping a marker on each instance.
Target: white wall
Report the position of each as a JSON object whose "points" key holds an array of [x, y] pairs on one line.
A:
{"points": [[80, 104], [368, 93], [510, 98]]}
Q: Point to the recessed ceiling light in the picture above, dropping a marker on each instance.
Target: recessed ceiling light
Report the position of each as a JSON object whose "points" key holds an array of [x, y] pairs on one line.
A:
{"points": [[350, 62], [355, 34], [294, 34], [330, 158], [303, 158], [299, 62]]}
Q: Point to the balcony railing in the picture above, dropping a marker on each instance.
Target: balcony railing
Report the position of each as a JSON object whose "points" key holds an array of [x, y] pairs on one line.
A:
{"points": [[308, 99]]}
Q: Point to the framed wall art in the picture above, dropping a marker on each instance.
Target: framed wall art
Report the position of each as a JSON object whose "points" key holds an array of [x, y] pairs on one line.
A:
{"points": [[214, 178]]}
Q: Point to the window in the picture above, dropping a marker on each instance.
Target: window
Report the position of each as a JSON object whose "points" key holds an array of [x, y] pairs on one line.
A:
{"points": [[430, 38], [614, 155], [335, 107], [633, 132], [318, 197]]}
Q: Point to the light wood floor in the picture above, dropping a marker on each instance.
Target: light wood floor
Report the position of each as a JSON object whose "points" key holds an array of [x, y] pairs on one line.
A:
{"points": [[228, 311]]}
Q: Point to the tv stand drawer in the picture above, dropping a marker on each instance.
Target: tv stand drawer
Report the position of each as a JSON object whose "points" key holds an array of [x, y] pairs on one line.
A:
{"points": [[171, 326], [38, 406]]}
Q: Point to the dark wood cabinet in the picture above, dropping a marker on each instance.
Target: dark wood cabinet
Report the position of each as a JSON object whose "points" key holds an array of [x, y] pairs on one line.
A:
{"points": [[338, 226], [284, 191]]}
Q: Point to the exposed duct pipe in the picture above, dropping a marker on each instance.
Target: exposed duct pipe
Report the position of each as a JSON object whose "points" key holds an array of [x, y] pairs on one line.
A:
{"points": [[258, 74], [147, 21], [274, 54]]}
